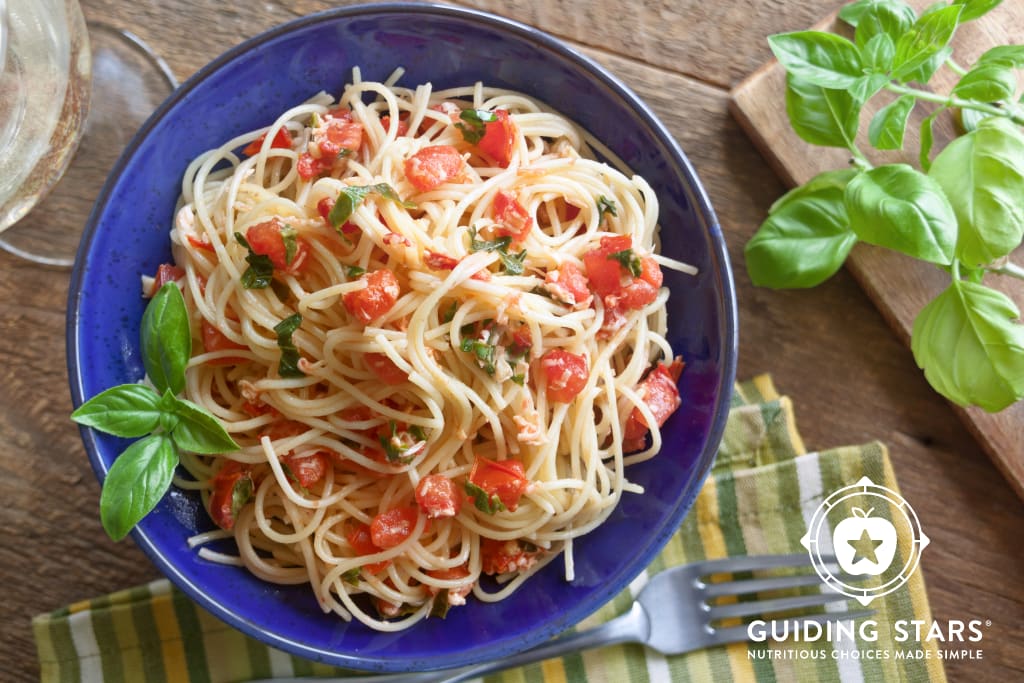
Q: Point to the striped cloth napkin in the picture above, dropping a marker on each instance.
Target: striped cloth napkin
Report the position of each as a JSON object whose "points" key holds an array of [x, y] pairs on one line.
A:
{"points": [[757, 500]]}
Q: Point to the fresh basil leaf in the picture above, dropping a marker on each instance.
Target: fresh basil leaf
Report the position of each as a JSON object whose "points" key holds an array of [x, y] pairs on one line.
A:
{"points": [[513, 263], [485, 503], [291, 245], [889, 124], [927, 140], [987, 82], [351, 576], [260, 273], [127, 410], [892, 19], [1008, 54], [137, 480], [898, 207], [852, 12], [819, 115], [824, 59], [805, 239], [982, 173], [500, 244], [166, 339], [352, 196], [198, 431], [967, 120], [865, 87], [605, 205], [835, 179], [474, 124], [289, 364], [241, 493], [972, 9], [924, 73], [628, 259], [970, 348], [929, 35], [353, 272], [879, 53]]}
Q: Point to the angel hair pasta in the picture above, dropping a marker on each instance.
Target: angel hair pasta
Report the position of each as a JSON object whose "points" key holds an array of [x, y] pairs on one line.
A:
{"points": [[434, 323]]}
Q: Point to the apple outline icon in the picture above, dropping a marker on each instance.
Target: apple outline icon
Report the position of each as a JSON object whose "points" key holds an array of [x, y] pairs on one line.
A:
{"points": [[877, 529]]}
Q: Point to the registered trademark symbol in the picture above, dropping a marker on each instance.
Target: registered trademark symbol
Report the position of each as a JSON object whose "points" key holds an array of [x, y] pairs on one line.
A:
{"points": [[988, 622]]}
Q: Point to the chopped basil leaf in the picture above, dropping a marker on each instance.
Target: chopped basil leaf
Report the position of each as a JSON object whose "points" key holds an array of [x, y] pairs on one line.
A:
{"points": [[629, 260], [449, 315], [393, 447], [240, 495], [281, 290], [483, 350], [290, 244], [260, 272], [440, 606], [475, 124], [519, 379], [418, 433], [501, 243], [483, 502], [289, 365], [513, 262], [352, 272], [352, 576], [605, 205], [351, 197]]}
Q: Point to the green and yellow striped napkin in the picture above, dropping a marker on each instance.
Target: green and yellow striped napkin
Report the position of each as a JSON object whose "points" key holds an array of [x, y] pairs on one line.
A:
{"points": [[758, 500]]}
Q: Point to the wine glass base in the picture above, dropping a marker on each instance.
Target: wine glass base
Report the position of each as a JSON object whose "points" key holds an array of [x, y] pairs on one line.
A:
{"points": [[129, 81]]}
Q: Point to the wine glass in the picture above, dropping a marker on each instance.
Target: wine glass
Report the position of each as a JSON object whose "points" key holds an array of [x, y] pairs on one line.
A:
{"points": [[72, 93]]}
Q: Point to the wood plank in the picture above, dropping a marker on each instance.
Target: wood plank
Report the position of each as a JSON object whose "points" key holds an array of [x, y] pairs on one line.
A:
{"points": [[898, 285]]}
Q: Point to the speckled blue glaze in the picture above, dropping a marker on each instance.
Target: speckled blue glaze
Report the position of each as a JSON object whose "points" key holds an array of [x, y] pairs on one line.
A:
{"points": [[248, 87]]}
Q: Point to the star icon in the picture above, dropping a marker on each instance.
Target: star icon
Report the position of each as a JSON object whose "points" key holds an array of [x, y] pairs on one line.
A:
{"points": [[864, 547]]}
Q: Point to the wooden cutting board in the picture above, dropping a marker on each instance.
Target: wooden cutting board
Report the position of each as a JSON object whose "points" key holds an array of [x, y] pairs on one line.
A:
{"points": [[898, 285]]}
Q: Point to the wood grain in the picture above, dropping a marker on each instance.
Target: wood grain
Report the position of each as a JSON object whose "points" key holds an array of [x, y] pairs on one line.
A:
{"points": [[851, 379], [898, 285]]}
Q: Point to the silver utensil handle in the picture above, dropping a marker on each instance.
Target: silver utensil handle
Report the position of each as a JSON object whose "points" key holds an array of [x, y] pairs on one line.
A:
{"points": [[630, 627]]}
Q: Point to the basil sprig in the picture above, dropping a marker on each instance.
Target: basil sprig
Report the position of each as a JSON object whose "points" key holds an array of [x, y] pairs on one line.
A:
{"points": [[962, 210], [352, 196], [142, 473]]}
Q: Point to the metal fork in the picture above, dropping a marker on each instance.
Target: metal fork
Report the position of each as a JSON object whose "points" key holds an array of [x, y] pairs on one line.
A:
{"points": [[681, 602]]}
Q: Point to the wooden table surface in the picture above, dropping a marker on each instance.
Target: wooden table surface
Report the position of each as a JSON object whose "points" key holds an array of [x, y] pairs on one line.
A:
{"points": [[850, 378]]}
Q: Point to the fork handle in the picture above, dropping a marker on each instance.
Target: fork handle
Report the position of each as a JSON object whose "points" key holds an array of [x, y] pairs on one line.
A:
{"points": [[633, 626]]}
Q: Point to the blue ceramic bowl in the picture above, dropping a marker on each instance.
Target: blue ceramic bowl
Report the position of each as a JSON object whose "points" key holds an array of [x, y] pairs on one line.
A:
{"points": [[127, 235]]}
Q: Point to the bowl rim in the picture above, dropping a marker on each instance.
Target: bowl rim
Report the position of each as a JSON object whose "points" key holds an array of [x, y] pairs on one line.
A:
{"points": [[717, 256]]}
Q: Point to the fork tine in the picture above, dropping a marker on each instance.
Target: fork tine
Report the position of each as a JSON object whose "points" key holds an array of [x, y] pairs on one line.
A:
{"points": [[729, 565], [746, 609], [715, 590], [738, 634]]}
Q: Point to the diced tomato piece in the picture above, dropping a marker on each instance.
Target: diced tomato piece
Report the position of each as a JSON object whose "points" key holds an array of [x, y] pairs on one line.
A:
{"points": [[361, 540], [255, 408], [336, 133], [357, 414], [567, 374], [438, 496], [501, 557], [309, 167], [215, 340], [385, 368], [282, 140], [307, 469], [203, 244], [436, 261], [433, 166], [571, 211], [380, 294], [499, 138], [266, 238], [392, 527], [166, 272], [605, 273], [504, 478], [449, 108], [403, 126], [282, 429], [231, 487], [659, 391], [513, 217], [456, 596], [570, 286]]}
